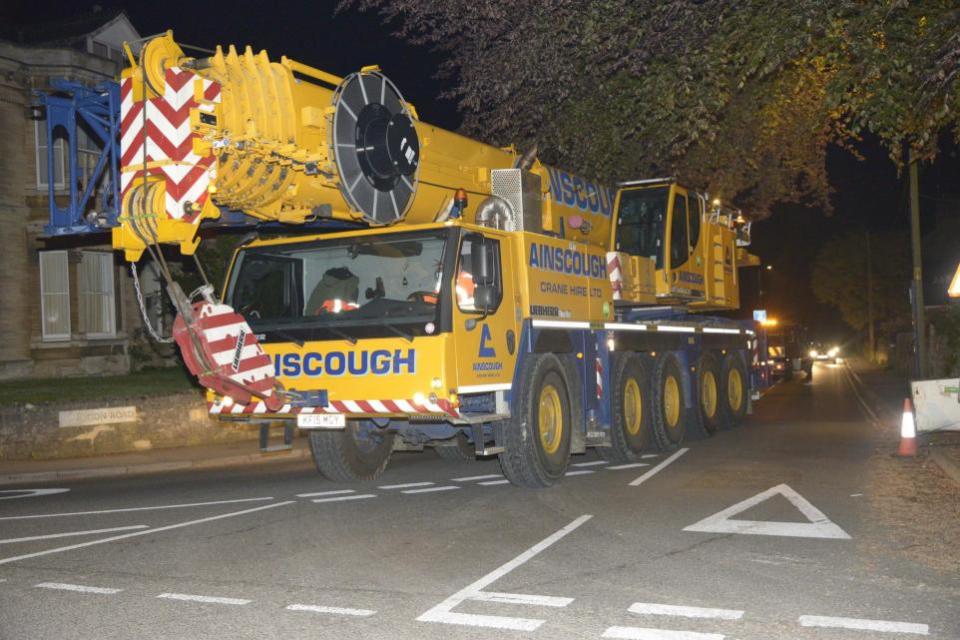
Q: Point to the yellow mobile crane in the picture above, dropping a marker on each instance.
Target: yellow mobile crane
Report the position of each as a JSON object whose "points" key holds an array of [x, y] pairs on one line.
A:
{"points": [[472, 299]]}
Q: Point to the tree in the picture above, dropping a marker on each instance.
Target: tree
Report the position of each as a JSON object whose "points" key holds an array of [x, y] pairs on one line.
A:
{"points": [[740, 96], [839, 277]]}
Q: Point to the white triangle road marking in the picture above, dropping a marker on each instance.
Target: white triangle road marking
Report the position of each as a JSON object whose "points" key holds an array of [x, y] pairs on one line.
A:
{"points": [[819, 526]]}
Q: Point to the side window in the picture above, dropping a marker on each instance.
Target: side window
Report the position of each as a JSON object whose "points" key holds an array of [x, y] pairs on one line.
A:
{"points": [[479, 284], [696, 213], [268, 287], [679, 248]]}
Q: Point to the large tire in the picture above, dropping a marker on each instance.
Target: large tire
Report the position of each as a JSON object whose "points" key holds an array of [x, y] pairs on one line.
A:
{"points": [[536, 440], [670, 414], [734, 396], [631, 432], [457, 449], [343, 456], [708, 390]]}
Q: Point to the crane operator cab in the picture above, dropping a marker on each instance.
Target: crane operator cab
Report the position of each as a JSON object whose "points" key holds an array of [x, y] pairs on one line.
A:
{"points": [[671, 249]]}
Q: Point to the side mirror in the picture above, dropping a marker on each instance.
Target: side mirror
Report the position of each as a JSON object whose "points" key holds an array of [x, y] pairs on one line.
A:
{"points": [[482, 263]]}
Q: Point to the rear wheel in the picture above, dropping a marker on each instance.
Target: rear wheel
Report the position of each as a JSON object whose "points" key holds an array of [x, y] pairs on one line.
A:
{"points": [[669, 409], [630, 433], [537, 438], [361, 451], [710, 398], [735, 389], [457, 449]]}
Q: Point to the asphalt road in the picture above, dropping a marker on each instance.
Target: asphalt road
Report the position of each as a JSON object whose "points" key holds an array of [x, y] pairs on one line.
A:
{"points": [[664, 551]]}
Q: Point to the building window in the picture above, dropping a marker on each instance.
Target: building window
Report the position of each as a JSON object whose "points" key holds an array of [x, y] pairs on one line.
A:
{"points": [[98, 311], [54, 295], [59, 158]]}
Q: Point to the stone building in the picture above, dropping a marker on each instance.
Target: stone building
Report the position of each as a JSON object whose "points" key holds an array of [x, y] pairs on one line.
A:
{"points": [[68, 305]]}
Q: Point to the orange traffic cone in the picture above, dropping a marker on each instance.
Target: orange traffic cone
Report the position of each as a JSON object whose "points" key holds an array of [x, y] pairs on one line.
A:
{"points": [[908, 432]]}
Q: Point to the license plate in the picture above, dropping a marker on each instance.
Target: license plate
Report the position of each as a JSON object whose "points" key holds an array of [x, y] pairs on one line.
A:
{"points": [[321, 421]]}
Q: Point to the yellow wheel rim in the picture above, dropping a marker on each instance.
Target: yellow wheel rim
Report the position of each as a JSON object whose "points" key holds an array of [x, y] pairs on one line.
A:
{"points": [[550, 419], [708, 394], [632, 407], [671, 401], [734, 389]]}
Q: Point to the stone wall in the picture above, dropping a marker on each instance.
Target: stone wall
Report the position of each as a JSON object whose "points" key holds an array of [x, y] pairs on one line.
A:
{"points": [[34, 432]]}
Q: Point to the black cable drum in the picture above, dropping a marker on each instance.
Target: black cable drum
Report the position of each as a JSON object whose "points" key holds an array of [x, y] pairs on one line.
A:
{"points": [[376, 147]]}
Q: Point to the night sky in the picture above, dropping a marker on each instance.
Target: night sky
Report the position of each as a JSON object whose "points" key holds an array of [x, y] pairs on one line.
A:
{"points": [[868, 194]]}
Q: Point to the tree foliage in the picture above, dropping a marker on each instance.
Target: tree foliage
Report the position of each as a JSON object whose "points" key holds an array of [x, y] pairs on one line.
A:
{"points": [[741, 96], [839, 277]]}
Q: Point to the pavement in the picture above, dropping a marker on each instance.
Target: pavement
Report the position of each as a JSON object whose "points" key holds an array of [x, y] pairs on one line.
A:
{"points": [[798, 525]]}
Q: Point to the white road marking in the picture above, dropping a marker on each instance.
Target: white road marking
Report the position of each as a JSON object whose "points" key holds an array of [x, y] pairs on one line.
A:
{"points": [[653, 609], [129, 509], [359, 496], [647, 456], [408, 485], [146, 532], [579, 472], [867, 409], [638, 633], [657, 469], [522, 598], [491, 483], [339, 492], [31, 493], [861, 624], [73, 533], [207, 599], [342, 611], [629, 465], [593, 463], [489, 476], [81, 588], [443, 612], [819, 526], [448, 487]]}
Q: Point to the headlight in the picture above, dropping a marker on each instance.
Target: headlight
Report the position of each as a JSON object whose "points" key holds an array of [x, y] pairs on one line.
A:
{"points": [[813, 353], [834, 352]]}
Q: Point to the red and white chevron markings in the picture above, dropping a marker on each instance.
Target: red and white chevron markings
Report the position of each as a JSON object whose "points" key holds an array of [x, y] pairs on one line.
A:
{"points": [[165, 137]]}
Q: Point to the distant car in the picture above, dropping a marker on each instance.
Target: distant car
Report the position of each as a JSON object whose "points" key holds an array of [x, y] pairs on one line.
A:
{"points": [[780, 364], [822, 353]]}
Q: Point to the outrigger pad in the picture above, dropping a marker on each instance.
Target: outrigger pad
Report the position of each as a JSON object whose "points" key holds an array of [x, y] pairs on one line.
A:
{"points": [[219, 348]]}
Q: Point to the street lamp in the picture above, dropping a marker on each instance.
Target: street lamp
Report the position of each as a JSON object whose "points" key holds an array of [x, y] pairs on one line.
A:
{"points": [[769, 267]]}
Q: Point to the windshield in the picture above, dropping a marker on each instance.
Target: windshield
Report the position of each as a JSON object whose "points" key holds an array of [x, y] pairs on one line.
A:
{"points": [[640, 223], [366, 286]]}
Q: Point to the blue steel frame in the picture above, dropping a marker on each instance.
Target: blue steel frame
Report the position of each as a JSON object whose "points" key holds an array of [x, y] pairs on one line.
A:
{"points": [[98, 108]]}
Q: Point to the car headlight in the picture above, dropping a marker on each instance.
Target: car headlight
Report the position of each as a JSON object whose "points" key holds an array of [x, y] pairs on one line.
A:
{"points": [[813, 353], [834, 352]]}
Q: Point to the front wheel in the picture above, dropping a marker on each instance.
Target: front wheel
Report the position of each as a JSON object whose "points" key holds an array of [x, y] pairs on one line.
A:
{"points": [[361, 451], [537, 437]]}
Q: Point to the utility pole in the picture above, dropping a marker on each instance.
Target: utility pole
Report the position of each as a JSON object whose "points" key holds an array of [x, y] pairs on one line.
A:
{"points": [[919, 319], [871, 336]]}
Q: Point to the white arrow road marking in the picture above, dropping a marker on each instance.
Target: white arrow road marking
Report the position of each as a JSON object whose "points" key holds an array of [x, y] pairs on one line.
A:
{"points": [[129, 509], [124, 536], [657, 469], [653, 609], [206, 599], [31, 493], [638, 633], [80, 588], [68, 534], [860, 624], [340, 611], [819, 526], [444, 613]]}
